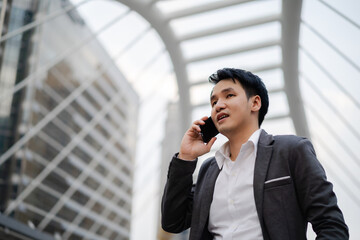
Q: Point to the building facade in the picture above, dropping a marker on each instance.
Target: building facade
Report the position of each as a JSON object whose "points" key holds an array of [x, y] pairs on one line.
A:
{"points": [[68, 122]]}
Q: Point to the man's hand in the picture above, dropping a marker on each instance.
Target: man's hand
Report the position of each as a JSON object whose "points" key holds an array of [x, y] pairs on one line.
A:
{"points": [[192, 145]]}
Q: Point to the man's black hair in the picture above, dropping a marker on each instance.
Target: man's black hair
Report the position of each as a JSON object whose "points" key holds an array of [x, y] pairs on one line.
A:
{"points": [[251, 83]]}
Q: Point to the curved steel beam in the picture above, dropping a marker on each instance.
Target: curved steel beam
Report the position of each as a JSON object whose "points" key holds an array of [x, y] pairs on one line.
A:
{"points": [[291, 16], [153, 15]]}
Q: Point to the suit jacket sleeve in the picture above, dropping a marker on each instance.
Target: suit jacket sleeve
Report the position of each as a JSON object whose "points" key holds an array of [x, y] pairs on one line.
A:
{"points": [[316, 195], [176, 206]]}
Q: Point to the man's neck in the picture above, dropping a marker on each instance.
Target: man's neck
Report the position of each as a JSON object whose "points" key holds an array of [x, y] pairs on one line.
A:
{"points": [[238, 139]]}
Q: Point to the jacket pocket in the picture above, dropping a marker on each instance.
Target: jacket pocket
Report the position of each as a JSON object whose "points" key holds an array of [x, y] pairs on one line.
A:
{"points": [[275, 182], [282, 213]]}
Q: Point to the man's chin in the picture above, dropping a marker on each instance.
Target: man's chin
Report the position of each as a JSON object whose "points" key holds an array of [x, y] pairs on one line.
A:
{"points": [[224, 130]]}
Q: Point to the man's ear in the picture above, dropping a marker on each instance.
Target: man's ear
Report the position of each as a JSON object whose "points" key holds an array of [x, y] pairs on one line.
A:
{"points": [[255, 103]]}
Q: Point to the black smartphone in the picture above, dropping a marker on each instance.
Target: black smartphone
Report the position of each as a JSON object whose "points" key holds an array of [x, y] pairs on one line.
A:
{"points": [[208, 130]]}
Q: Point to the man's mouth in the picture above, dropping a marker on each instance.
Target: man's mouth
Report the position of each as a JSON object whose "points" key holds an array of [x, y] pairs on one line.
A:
{"points": [[222, 116]]}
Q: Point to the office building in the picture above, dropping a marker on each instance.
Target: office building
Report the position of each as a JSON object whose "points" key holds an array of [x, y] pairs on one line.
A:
{"points": [[68, 134]]}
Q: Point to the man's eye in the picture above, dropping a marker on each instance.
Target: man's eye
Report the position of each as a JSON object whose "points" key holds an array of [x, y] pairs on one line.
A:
{"points": [[230, 95], [213, 103]]}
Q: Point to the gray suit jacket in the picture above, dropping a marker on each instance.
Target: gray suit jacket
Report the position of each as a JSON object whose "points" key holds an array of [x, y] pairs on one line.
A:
{"points": [[290, 190]]}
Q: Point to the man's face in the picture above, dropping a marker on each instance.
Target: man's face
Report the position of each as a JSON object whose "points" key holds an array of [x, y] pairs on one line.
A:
{"points": [[231, 109]]}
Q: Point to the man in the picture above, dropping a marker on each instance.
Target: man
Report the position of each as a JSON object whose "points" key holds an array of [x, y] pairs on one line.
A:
{"points": [[257, 186]]}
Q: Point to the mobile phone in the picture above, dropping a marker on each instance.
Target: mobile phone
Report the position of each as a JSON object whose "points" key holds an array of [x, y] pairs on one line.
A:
{"points": [[208, 130]]}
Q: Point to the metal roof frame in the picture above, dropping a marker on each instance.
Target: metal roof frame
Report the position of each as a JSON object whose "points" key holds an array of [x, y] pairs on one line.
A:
{"points": [[290, 22], [18, 229]]}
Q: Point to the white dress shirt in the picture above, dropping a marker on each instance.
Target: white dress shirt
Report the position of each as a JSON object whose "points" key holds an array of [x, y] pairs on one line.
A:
{"points": [[233, 212]]}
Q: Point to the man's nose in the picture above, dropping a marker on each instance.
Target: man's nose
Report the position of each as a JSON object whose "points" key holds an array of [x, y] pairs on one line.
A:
{"points": [[220, 105]]}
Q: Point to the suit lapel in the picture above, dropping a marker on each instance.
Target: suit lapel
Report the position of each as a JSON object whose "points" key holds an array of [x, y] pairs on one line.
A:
{"points": [[207, 195], [205, 185], [263, 157]]}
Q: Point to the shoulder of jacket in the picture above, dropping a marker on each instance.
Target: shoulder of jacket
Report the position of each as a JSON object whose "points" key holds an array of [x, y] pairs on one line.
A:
{"points": [[289, 139], [208, 162]]}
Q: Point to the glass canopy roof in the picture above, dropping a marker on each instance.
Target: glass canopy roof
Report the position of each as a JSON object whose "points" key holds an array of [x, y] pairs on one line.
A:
{"points": [[167, 49], [186, 41], [307, 52]]}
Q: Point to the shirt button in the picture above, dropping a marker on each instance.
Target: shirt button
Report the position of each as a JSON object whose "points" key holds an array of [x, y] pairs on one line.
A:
{"points": [[231, 201]]}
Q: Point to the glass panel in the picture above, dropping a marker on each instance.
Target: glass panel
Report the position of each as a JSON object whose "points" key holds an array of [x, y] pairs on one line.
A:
{"points": [[230, 40], [200, 94], [200, 71], [280, 126], [225, 16], [278, 105], [341, 33], [273, 79], [168, 7]]}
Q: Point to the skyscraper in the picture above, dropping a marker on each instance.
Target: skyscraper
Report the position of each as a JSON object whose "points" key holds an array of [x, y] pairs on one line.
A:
{"points": [[68, 127]]}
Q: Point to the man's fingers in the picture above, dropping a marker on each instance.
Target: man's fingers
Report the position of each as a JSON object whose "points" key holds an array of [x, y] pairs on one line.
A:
{"points": [[200, 121], [204, 118], [211, 143], [196, 127]]}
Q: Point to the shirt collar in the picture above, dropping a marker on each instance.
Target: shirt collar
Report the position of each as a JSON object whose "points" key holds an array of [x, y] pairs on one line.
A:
{"points": [[224, 152]]}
